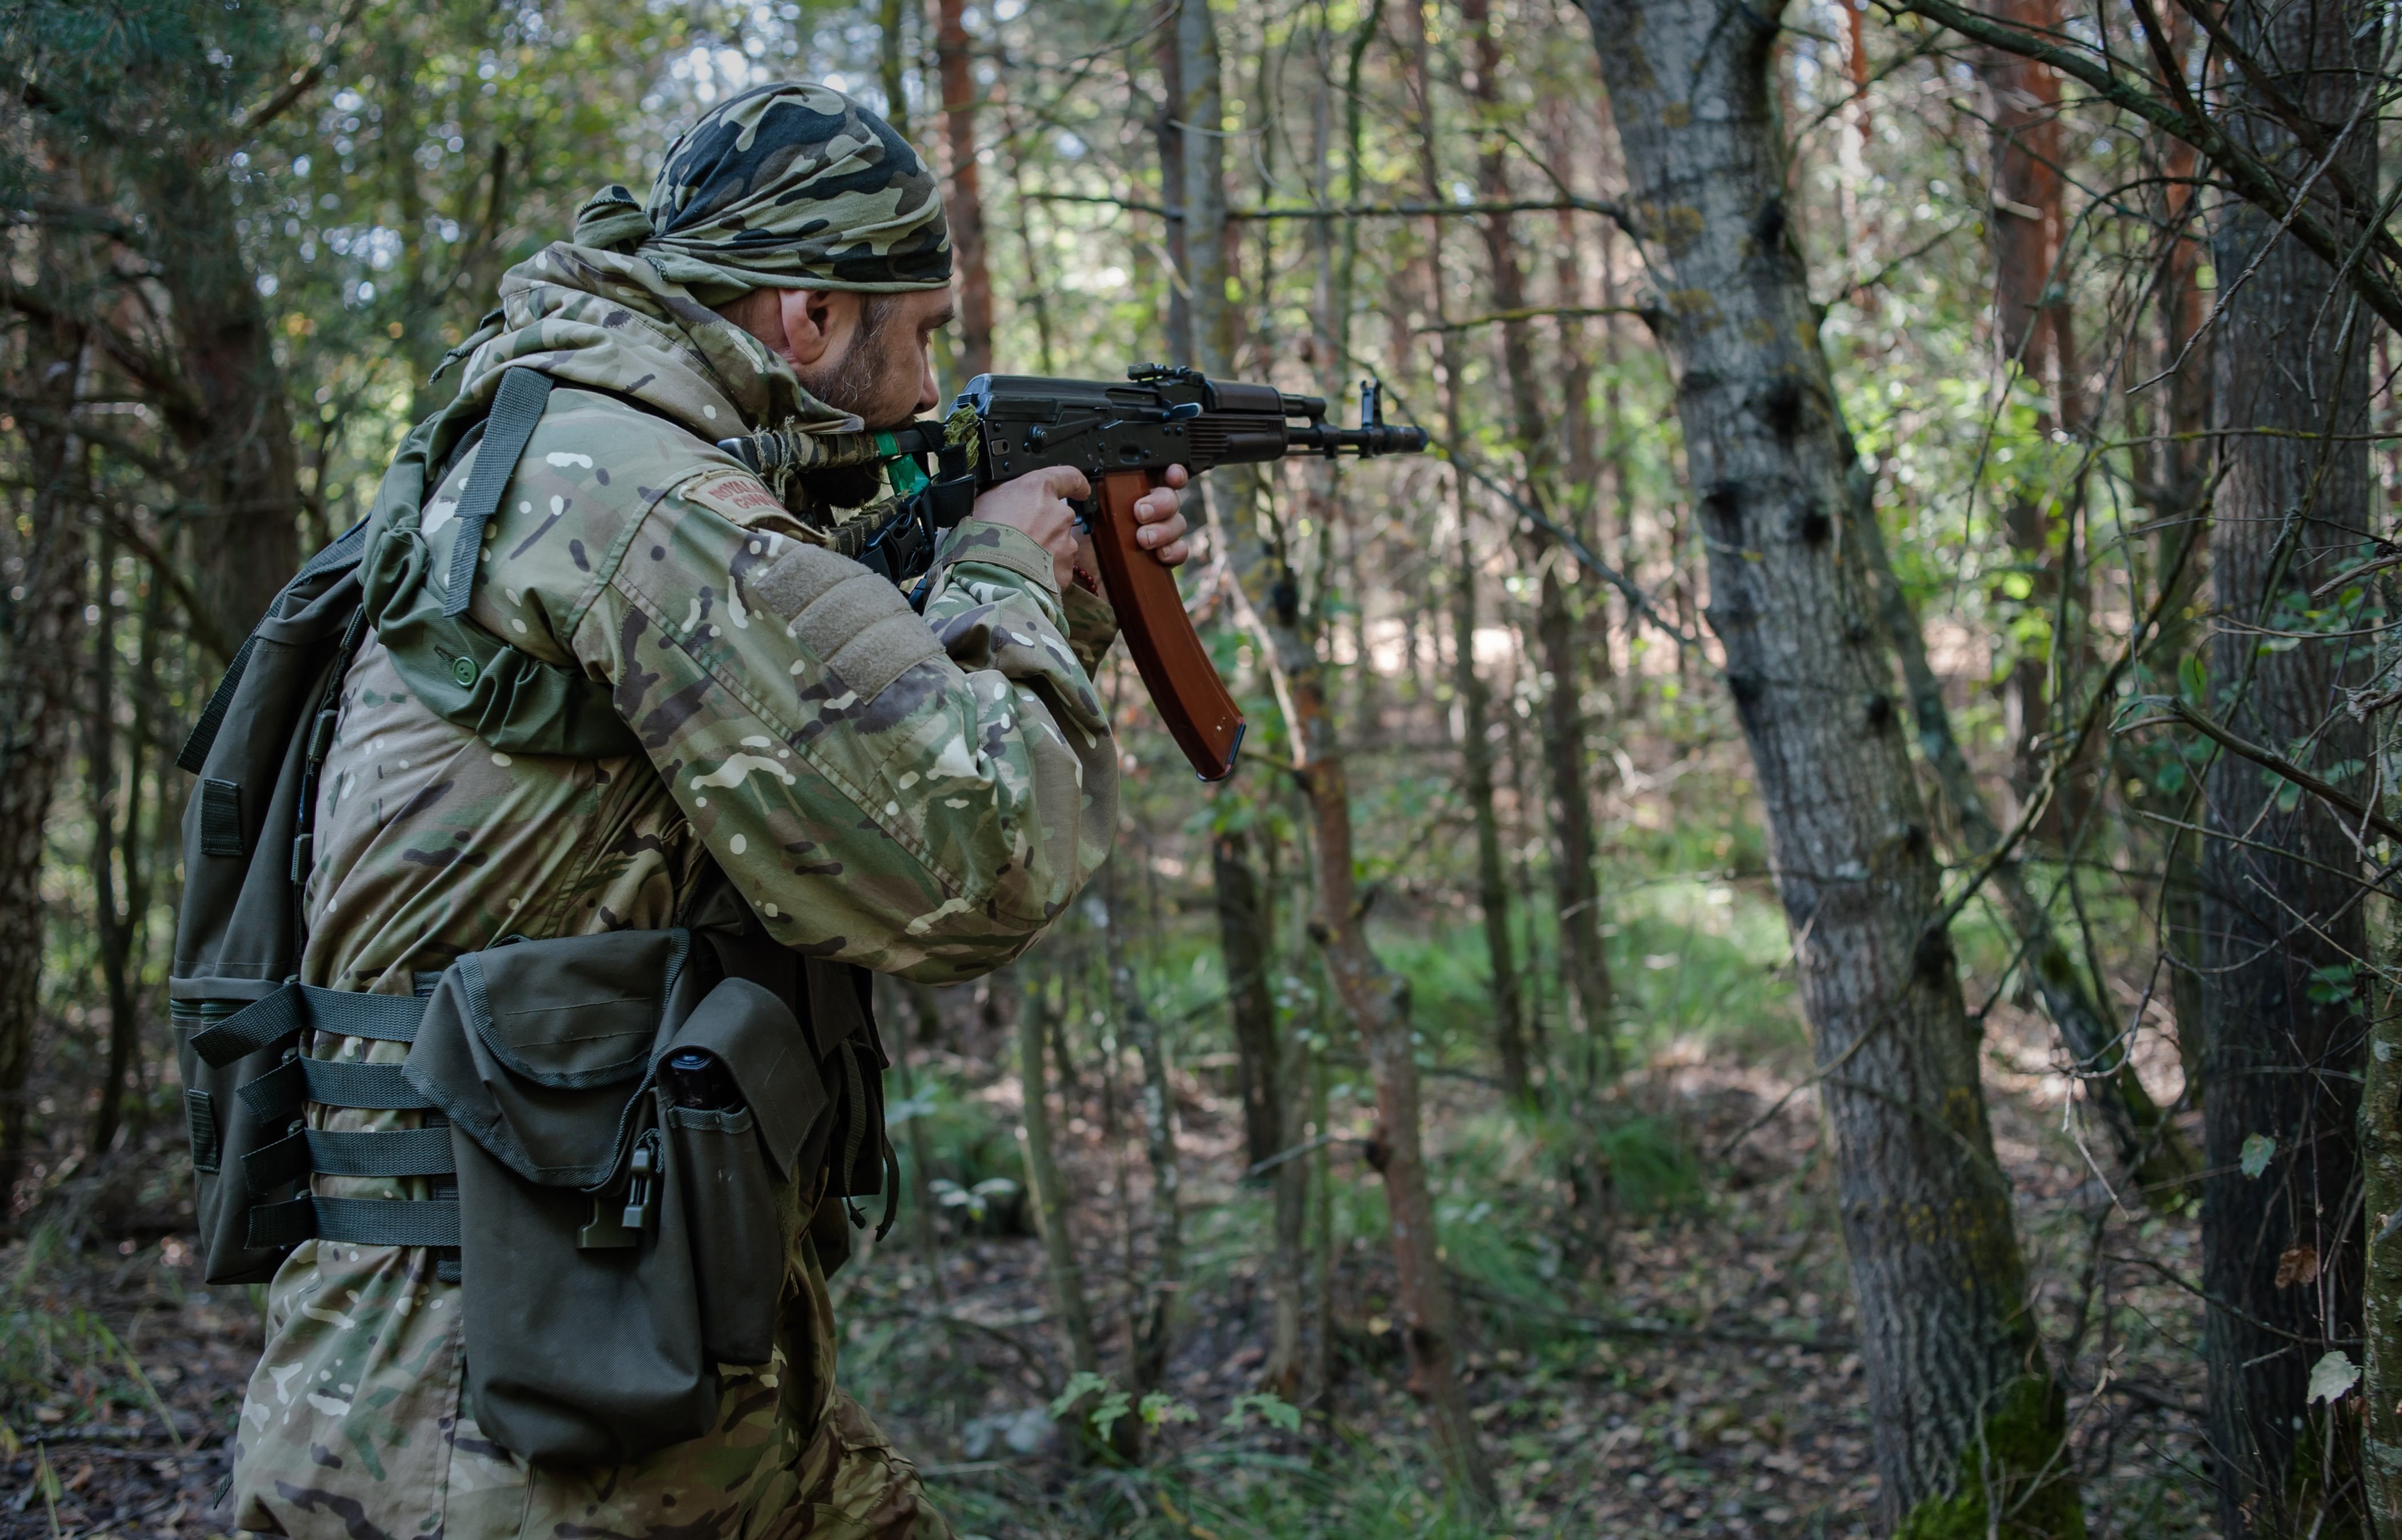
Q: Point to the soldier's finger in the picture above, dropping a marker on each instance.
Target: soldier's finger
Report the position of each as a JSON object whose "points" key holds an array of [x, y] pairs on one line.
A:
{"points": [[1065, 481], [1174, 554], [1155, 505]]}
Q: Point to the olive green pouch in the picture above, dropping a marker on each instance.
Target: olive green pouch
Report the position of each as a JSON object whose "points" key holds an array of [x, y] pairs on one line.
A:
{"points": [[614, 1250]]}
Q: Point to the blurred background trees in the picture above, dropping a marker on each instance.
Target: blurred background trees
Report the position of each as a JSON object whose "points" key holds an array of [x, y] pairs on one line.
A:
{"points": [[1795, 947]]}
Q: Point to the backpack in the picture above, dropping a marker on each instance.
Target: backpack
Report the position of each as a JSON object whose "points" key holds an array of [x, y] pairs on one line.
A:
{"points": [[660, 1216]]}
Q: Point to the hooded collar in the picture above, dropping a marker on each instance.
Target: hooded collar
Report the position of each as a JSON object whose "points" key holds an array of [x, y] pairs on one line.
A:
{"points": [[610, 321]]}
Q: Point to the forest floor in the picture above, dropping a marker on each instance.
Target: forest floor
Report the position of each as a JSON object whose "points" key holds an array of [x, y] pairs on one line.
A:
{"points": [[1699, 1380]]}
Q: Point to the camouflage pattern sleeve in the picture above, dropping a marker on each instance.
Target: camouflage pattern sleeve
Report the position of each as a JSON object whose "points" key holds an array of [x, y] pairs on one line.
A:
{"points": [[919, 796]]}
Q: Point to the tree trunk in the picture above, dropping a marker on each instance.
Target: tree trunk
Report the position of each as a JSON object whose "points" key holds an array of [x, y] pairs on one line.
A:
{"points": [[962, 205], [1374, 1000], [1968, 1419], [2146, 1146], [1476, 785], [1557, 627], [1154, 1333], [2380, 1127], [227, 409], [893, 64], [924, 1019], [111, 933], [1244, 927], [2286, 1033], [2031, 333], [43, 590], [1046, 1189], [1201, 116]]}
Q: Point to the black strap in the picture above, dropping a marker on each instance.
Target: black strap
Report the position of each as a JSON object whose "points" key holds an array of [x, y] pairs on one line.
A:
{"points": [[341, 1012], [377, 1087], [403, 1152], [274, 1098], [356, 1221], [195, 753], [509, 427]]}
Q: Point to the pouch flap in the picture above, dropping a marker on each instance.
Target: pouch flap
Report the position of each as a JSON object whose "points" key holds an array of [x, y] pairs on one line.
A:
{"points": [[754, 1034], [576, 1012], [535, 1050]]}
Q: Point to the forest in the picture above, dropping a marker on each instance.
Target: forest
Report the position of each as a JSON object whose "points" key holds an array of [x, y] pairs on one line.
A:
{"points": [[1805, 941]]}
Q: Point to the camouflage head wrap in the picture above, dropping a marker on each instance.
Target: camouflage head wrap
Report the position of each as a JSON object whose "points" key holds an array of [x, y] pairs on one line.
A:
{"points": [[786, 187]]}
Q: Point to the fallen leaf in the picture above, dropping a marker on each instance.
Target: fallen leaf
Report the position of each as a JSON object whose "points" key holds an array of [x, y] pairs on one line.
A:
{"points": [[2297, 1265]]}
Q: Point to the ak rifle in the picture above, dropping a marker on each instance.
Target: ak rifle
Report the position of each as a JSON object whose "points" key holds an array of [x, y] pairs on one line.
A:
{"points": [[1123, 437]]}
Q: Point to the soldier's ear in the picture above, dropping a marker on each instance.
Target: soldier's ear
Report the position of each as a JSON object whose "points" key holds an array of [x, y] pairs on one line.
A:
{"points": [[815, 323]]}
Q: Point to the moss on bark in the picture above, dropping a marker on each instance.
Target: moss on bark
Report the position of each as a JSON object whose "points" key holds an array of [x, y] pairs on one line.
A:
{"points": [[2014, 1479]]}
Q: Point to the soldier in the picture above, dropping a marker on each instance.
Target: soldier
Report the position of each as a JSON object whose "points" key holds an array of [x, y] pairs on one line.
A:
{"points": [[916, 795]]}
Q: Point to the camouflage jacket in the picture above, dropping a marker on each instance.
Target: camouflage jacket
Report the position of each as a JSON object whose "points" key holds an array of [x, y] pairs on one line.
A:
{"points": [[919, 796]]}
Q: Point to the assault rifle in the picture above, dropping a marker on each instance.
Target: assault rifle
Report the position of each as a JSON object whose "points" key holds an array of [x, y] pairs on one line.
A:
{"points": [[1123, 438]]}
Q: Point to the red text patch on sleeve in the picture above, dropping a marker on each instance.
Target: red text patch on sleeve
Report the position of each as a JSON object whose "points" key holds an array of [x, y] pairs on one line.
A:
{"points": [[740, 497]]}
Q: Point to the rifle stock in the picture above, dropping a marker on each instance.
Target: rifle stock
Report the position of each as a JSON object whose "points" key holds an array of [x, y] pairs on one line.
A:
{"points": [[1191, 700]]}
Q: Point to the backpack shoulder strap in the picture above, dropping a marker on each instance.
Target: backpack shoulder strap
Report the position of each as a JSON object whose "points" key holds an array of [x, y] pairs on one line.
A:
{"points": [[516, 408]]}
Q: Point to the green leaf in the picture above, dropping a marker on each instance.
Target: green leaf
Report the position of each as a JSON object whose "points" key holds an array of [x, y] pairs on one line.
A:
{"points": [[2193, 680], [1159, 1406], [1104, 1414], [2258, 1149], [1273, 1410], [2333, 1375]]}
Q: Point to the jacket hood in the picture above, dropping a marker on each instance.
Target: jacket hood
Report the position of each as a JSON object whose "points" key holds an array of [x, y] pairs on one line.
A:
{"points": [[609, 322]]}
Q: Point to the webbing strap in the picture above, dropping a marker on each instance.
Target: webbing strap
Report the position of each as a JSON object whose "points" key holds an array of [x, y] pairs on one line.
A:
{"points": [[195, 754], [379, 1087], [356, 1221], [342, 1013], [402, 1152], [515, 408]]}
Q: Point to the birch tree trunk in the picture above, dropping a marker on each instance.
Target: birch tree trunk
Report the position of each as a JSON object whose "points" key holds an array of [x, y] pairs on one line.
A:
{"points": [[1968, 1419], [2281, 1254]]}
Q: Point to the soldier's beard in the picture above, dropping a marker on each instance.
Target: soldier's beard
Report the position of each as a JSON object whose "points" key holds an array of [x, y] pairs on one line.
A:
{"points": [[872, 379]]}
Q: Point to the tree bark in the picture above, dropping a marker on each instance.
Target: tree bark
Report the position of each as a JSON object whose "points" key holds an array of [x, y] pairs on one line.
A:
{"points": [[1245, 927], [2031, 333], [225, 409], [2146, 1148], [1476, 785], [1045, 1187], [43, 588], [2380, 1128], [963, 205], [1557, 626], [1968, 1419], [1155, 1334], [1201, 116], [111, 932], [892, 64], [1374, 1000], [2286, 1034]]}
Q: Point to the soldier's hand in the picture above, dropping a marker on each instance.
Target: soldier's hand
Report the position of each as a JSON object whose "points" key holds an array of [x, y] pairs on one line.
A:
{"points": [[1036, 504], [1159, 520]]}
